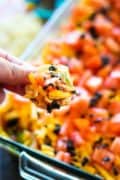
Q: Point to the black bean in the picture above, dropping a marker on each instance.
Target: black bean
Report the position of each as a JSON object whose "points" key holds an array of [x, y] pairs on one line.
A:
{"points": [[70, 146], [105, 60], [12, 122], [94, 100], [53, 105], [85, 160], [93, 32], [57, 129], [52, 68]]}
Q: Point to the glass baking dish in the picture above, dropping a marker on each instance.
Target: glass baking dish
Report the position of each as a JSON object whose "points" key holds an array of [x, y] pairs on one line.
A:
{"points": [[33, 164], [36, 166]]}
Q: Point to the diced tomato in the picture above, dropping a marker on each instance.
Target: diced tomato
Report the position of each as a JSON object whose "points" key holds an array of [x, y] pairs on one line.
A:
{"points": [[81, 123], [76, 138], [99, 119], [97, 4], [114, 107], [104, 72], [84, 77], [93, 62], [103, 26], [75, 66], [67, 127], [112, 83], [116, 4], [67, 157], [116, 33], [115, 74], [94, 83], [78, 106], [103, 157], [115, 147], [112, 45], [63, 156], [82, 91], [79, 13], [103, 102], [73, 40], [114, 124], [98, 114], [61, 145]]}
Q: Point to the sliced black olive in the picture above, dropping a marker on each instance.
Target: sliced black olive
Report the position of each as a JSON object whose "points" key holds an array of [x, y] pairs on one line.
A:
{"points": [[52, 68], [85, 160], [53, 105]]}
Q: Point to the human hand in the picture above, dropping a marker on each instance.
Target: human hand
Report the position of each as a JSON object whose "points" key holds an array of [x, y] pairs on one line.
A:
{"points": [[13, 71]]}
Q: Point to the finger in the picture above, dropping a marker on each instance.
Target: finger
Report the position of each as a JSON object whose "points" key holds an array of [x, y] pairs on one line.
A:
{"points": [[12, 74], [10, 58], [5, 55], [2, 95]]}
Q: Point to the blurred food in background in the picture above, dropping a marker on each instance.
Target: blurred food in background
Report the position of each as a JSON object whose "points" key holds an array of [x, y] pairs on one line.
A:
{"points": [[17, 26], [21, 21], [18, 32]]}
